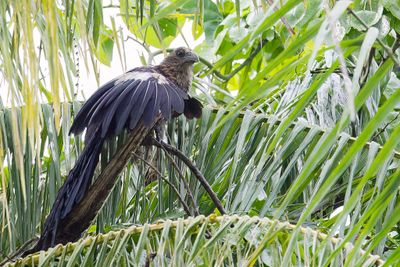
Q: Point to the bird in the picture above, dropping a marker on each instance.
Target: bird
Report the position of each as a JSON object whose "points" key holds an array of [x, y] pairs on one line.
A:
{"points": [[141, 95]]}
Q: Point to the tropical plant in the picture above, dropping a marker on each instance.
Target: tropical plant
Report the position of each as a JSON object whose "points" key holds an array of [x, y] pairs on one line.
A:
{"points": [[299, 136]]}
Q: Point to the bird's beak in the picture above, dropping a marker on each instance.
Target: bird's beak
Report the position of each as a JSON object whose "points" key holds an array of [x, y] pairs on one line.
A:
{"points": [[191, 57]]}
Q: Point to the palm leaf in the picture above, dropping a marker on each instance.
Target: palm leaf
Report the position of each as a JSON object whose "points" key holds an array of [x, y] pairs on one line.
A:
{"points": [[229, 239]]}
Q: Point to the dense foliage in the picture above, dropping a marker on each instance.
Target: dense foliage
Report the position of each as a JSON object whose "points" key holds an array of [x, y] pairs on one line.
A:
{"points": [[301, 125]]}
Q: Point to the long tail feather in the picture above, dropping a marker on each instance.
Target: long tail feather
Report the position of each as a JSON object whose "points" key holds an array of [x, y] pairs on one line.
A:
{"points": [[72, 192]]}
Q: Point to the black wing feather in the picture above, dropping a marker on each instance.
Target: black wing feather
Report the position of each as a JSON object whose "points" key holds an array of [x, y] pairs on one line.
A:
{"points": [[124, 111], [110, 113], [123, 103], [134, 115], [145, 101], [152, 108], [193, 108], [79, 121], [177, 102], [165, 105], [99, 111]]}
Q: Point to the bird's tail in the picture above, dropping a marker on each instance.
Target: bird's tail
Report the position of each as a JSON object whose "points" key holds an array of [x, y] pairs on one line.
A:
{"points": [[72, 191]]}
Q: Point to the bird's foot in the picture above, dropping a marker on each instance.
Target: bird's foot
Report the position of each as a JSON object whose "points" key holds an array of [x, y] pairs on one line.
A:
{"points": [[156, 137]]}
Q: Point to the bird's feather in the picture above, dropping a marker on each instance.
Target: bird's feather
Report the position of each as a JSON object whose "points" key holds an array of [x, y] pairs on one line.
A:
{"points": [[79, 119], [153, 108], [193, 108], [137, 110], [165, 105], [123, 110], [140, 95]]}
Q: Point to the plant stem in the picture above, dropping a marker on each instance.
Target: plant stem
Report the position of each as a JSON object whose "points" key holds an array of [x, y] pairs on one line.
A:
{"points": [[190, 194], [194, 170], [185, 206], [388, 50]]}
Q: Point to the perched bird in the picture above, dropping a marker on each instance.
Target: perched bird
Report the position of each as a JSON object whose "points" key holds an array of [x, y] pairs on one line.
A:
{"points": [[141, 95]]}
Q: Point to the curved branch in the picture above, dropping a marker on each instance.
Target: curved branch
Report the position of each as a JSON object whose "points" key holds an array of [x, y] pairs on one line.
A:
{"points": [[194, 170]]}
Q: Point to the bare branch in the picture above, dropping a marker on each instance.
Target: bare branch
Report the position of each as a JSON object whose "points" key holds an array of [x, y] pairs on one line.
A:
{"points": [[194, 170], [384, 127], [284, 21]]}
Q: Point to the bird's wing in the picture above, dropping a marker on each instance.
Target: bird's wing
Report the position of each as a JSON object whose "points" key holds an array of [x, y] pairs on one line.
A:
{"points": [[138, 95], [193, 108]]}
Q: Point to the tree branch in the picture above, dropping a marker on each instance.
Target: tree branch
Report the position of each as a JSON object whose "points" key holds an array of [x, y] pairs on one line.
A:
{"points": [[284, 21], [79, 219], [194, 170], [244, 64], [388, 50], [19, 253], [384, 127]]}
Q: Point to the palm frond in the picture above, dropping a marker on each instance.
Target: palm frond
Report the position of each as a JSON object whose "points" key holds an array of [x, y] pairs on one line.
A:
{"points": [[227, 240]]}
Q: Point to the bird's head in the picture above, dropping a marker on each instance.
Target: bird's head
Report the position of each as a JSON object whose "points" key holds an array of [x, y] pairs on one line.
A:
{"points": [[178, 66], [181, 57]]}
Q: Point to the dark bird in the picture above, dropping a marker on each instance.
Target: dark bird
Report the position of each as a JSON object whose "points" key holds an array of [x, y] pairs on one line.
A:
{"points": [[140, 95]]}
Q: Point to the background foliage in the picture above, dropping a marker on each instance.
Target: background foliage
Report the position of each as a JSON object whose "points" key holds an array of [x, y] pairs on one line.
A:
{"points": [[301, 125]]}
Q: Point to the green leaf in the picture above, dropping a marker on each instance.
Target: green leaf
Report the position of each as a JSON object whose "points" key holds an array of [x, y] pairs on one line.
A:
{"points": [[211, 16], [393, 6], [370, 18], [104, 51]]}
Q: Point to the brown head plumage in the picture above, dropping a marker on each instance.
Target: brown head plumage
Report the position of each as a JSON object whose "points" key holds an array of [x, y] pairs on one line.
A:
{"points": [[178, 66]]}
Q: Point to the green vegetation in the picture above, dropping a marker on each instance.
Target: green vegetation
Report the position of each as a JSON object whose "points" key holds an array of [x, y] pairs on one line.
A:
{"points": [[299, 136]]}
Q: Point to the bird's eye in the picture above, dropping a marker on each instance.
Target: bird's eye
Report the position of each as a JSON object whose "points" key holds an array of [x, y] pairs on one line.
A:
{"points": [[180, 53]]}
